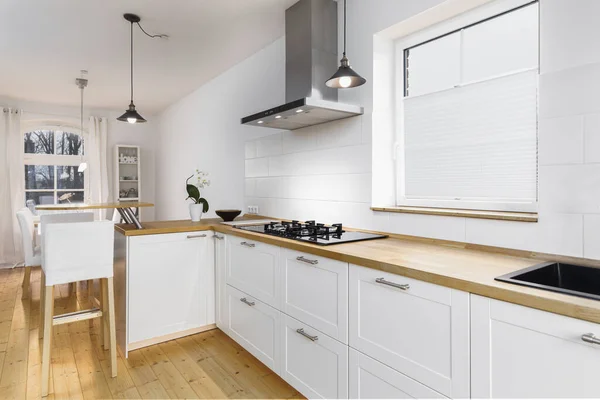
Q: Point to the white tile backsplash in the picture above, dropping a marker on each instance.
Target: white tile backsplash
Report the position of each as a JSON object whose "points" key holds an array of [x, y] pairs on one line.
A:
{"points": [[591, 235], [560, 140], [591, 128], [570, 189], [343, 187], [304, 139], [345, 132], [257, 167], [269, 145], [432, 226]]}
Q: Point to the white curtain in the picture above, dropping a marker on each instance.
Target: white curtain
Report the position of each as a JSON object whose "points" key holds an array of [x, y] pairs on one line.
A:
{"points": [[96, 147], [12, 185]]}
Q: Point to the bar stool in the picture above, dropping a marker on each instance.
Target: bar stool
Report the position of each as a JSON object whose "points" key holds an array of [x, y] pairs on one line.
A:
{"points": [[73, 252], [66, 217], [32, 253]]}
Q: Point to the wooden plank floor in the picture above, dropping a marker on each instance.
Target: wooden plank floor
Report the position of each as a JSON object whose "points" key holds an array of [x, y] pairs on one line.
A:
{"points": [[206, 365]]}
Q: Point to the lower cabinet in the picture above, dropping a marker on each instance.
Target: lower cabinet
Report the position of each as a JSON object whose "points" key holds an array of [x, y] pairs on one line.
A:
{"points": [[370, 379], [520, 352], [255, 326], [312, 362], [221, 280], [419, 329]]}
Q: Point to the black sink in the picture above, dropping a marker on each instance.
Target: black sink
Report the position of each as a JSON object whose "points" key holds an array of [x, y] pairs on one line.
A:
{"points": [[575, 280]]}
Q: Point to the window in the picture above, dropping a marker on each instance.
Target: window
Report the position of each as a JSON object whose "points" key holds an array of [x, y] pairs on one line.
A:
{"points": [[52, 156], [468, 115]]}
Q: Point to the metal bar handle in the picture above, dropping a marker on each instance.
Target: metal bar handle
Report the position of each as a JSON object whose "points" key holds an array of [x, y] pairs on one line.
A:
{"points": [[218, 237], [404, 286], [306, 260], [196, 236], [248, 244], [244, 300], [590, 338], [306, 335]]}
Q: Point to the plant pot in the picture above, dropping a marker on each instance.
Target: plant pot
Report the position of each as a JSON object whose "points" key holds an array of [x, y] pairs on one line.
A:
{"points": [[196, 212]]}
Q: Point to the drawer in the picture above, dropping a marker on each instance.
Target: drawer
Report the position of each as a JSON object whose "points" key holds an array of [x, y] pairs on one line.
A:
{"points": [[253, 267], [370, 379], [313, 363], [315, 291], [417, 328], [255, 326]]}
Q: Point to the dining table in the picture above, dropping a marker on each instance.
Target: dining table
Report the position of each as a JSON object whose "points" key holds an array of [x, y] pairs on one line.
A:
{"points": [[124, 208]]}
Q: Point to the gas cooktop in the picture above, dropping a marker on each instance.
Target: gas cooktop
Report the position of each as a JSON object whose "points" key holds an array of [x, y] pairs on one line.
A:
{"points": [[311, 232]]}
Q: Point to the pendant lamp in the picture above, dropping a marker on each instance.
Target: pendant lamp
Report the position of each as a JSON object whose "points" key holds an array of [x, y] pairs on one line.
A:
{"points": [[345, 77], [131, 115], [81, 83]]}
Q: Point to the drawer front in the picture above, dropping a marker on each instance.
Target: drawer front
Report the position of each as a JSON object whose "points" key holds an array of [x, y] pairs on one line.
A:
{"points": [[255, 326], [520, 352], [370, 379], [315, 291], [315, 364], [253, 267], [417, 328]]}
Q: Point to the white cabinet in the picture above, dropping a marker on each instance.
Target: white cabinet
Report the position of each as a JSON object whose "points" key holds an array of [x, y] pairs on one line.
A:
{"points": [[171, 285], [315, 291], [520, 352], [221, 279], [313, 363], [417, 328], [253, 267], [370, 379], [254, 325]]}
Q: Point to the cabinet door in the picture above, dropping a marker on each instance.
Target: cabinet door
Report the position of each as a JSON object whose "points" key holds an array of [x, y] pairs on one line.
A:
{"points": [[520, 352], [255, 326], [312, 362], [170, 284], [417, 328], [370, 379], [253, 267], [221, 285], [315, 291]]}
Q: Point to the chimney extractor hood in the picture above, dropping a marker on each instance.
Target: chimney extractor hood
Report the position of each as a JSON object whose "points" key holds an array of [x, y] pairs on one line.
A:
{"points": [[310, 56]]}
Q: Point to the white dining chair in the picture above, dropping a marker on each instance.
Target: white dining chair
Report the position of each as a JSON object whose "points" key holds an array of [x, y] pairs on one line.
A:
{"points": [[73, 252], [31, 252], [63, 218]]}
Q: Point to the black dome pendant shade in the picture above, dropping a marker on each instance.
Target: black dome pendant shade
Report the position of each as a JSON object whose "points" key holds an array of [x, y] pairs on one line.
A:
{"points": [[131, 115], [345, 77]]}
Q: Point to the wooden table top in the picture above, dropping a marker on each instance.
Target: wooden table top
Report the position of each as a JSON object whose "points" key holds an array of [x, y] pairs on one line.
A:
{"points": [[84, 206], [462, 266]]}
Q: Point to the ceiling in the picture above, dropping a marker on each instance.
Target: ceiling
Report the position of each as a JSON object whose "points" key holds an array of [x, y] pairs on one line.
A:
{"points": [[44, 44]]}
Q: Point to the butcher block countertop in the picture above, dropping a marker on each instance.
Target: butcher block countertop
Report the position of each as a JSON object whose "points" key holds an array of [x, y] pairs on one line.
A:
{"points": [[461, 266]]}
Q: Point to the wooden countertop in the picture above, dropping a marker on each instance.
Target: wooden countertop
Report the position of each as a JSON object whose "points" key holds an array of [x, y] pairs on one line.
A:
{"points": [[448, 264], [84, 206]]}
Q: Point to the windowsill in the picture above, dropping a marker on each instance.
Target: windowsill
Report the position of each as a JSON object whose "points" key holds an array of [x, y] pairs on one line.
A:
{"points": [[452, 212]]}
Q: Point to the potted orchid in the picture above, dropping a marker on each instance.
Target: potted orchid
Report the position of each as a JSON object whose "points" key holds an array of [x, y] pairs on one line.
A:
{"points": [[199, 205]]}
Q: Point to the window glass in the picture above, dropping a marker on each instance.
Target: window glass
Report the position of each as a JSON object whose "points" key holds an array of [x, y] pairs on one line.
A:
{"points": [[69, 196], [68, 143], [39, 142], [39, 177], [40, 197], [501, 45], [69, 178]]}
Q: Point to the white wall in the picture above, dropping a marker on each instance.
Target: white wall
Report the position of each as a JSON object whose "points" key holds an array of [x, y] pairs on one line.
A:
{"points": [[203, 131], [324, 172], [142, 135]]}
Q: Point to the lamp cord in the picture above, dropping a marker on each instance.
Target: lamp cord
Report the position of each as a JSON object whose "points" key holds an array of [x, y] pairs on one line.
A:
{"points": [[160, 35], [344, 27], [131, 64]]}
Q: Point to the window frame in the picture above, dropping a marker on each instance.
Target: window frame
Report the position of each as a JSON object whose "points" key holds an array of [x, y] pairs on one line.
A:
{"points": [[55, 160], [473, 17]]}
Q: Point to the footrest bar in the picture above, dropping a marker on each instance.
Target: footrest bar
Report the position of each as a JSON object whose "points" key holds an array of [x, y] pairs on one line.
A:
{"points": [[81, 315]]}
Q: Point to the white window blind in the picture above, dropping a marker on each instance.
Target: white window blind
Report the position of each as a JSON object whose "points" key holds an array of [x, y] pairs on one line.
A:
{"points": [[469, 117], [476, 142]]}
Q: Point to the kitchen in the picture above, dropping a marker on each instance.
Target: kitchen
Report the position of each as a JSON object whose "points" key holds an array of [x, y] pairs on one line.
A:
{"points": [[438, 307]]}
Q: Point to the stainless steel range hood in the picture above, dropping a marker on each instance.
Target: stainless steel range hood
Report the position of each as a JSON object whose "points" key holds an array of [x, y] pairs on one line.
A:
{"points": [[310, 59]]}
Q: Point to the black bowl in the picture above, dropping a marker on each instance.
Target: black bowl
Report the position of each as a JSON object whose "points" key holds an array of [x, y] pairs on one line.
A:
{"points": [[228, 215]]}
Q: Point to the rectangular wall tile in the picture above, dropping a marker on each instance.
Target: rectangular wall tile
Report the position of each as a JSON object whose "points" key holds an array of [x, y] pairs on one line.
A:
{"points": [[269, 145], [430, 226], [345, 187], [304, 139], [344, 132], [592, 138], [553, 233], [268, 187], [570, 189], [591, 236], [343, 160], [257, 167], [561, 140], [250, 187], [250, 149]]}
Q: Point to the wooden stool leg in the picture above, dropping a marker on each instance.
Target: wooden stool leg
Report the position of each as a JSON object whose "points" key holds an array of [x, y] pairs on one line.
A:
{"points": [[90, 289], [72, 289], [47, 322], [26, 279], [111, 326], [104, 319], [42, 302]]}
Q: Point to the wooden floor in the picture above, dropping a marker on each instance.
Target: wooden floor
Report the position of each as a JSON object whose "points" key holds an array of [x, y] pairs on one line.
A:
{"points": [[206, 365]]}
